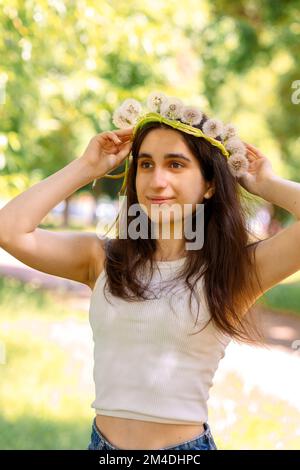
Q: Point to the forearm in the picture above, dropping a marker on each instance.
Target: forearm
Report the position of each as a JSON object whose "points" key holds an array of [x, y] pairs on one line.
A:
{"points": [[26, 211], [283, 193]]}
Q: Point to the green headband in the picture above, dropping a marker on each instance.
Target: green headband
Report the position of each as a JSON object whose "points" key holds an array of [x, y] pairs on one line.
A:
{"points": [[156, 117]]}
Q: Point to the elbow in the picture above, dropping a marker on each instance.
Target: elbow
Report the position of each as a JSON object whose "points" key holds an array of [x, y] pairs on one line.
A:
{"points": [[8, 226], [4, 239], [5, 234]]}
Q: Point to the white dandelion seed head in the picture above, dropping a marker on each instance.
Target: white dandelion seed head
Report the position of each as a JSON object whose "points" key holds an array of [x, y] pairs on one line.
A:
{"points": [[131, 107], [172, 108], [122, 120], [155, 101], [229, 131], [212, 127], [235, 145], [191, 115], [238, 164]]}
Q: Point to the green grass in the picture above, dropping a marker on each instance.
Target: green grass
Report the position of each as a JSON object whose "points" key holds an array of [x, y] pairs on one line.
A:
{"points": [[44, 397], [42, 433], [285, 297]]}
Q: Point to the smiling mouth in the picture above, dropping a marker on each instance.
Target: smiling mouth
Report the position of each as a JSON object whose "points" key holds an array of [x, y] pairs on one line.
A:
{"points": [[160, 201]]}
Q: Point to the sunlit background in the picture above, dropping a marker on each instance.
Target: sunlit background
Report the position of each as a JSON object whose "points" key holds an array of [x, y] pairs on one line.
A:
{"points": [[64, 67]]}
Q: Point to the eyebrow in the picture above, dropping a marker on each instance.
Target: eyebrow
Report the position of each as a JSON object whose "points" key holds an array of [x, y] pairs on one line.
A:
{"points": [[166, 156]]}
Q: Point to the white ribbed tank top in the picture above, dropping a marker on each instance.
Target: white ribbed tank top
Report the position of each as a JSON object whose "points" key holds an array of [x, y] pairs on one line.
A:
{"points": [[146, 367]]}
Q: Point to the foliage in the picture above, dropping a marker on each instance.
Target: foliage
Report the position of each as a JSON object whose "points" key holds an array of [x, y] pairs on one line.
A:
{"points": [[66, 67]]}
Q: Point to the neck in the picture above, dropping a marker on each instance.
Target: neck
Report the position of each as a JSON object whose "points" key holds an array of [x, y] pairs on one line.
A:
{"points": [[168, 250], [170, 244]]}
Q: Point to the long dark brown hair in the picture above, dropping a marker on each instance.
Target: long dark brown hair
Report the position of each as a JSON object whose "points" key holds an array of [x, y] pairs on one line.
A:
{"points": [[224, 260]]}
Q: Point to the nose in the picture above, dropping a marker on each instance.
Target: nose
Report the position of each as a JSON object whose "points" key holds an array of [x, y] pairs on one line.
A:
{"points": [[158, 179]]}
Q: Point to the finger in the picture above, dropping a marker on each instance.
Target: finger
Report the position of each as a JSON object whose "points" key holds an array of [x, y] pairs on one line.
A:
{"points": [[124, 151], [249, 151], [250, 146], [247, 144], [251, 155], [124, 139], [250, 158], [125, 142], [124, 132], [112, 136], [255, 150]]}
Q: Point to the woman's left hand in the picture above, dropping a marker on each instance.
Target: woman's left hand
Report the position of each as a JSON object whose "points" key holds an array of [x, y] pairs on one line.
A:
{"points": [[260, 170]]}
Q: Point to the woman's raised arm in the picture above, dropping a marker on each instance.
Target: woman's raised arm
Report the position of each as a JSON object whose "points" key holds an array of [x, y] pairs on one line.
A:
{"points": [[65, 254]]}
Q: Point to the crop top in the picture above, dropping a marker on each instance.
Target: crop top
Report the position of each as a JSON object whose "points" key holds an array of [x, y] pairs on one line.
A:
{"points": [[147, 365]]}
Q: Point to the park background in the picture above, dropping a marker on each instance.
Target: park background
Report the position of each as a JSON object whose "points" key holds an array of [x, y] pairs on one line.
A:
{"points": [[64, 67]]}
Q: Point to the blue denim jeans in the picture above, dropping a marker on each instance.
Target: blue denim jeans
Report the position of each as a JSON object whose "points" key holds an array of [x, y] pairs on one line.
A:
{"points": [[204, 441]]}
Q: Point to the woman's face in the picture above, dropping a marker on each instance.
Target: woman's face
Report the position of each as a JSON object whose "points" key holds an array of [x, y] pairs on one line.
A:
{"points": [[161, 174]]}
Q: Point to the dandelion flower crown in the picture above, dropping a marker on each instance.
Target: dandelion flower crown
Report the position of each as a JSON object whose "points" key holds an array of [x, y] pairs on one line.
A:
{"points": [[174, 113]]}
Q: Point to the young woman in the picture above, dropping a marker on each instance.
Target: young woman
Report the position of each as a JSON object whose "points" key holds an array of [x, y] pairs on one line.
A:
{"points": [[153, 365]]}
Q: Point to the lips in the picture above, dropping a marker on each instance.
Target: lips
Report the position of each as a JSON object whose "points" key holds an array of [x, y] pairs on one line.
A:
{"points": [[159, 200]]}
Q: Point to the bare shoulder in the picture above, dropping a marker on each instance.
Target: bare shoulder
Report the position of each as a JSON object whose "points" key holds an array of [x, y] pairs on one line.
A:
{"points": [[98, 259]]}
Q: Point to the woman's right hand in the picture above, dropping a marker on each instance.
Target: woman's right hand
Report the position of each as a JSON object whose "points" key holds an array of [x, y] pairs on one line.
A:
{"points": [[107, 150]]}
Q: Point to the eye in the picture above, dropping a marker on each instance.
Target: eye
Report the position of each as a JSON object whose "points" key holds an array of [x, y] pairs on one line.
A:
{"points": [[143, 163], [176, 163]]}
